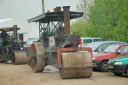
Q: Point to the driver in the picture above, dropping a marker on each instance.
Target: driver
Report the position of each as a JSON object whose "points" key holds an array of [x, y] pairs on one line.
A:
{"points": [[4, 36]]}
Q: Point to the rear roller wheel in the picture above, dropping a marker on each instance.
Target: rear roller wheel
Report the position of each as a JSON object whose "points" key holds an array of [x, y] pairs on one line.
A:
{"points": [[76, 65], [37, 54], [19, 57]]}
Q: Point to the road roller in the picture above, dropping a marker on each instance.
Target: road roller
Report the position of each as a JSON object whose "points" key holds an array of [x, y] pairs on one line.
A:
{"points": [[10, 46], [58, 47]]}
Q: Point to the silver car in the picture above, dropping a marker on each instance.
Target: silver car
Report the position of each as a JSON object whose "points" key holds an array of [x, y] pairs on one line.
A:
{"points": [[102, 45]]}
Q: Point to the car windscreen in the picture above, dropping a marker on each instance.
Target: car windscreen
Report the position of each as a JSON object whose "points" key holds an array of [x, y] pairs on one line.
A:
{"points": [[93, 45], [111, 48], [95, 40]]}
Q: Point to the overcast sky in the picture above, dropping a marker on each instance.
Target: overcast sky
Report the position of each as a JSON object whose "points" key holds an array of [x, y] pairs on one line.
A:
{"points": [[22, 10], [30, 8]]}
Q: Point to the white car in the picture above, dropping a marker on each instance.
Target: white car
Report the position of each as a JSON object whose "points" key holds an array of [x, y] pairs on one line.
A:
{"points": [[102, 45]]}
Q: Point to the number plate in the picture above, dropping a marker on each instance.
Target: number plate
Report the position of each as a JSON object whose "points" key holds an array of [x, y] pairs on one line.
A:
{"points": [[110, 67]]}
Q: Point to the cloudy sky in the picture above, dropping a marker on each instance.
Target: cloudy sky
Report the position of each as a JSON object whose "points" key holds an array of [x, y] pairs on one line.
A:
{"points": [[22, 10], [29, 8]]}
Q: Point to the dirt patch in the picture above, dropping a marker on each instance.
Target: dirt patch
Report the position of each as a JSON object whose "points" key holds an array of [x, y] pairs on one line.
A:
{"points": [[22, 75]]}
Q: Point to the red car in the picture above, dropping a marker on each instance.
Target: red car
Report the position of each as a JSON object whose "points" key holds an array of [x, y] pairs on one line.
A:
{"points": [[28, 44], [112, 51]]}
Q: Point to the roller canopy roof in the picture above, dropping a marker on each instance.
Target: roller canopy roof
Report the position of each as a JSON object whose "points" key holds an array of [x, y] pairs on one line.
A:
{"points": [[53, 16], [7, 29]]}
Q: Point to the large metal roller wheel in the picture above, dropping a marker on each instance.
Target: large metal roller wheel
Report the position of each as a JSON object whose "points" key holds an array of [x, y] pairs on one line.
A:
{"points": [[76, 59], [38, 63], [19, 57]]}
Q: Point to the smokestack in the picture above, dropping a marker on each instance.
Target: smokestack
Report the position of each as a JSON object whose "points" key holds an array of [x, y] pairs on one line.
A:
{"points": [[67, 19], [57, 9], [15, 32]]}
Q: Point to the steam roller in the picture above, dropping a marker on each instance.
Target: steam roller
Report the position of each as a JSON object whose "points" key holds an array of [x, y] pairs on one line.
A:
{"points": [[10, 47], [60, 48]]}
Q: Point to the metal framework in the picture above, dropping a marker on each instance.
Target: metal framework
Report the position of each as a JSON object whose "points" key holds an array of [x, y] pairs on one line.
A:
{"points": [[48, 27], [53, 17]]}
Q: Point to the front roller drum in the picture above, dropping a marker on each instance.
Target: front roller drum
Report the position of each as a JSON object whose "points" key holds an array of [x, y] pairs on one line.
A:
{"points": [[20, 58], [76, 65]]}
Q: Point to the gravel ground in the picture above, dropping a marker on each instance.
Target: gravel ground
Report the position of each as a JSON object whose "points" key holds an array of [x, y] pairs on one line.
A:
{"points": [[22, 75]]}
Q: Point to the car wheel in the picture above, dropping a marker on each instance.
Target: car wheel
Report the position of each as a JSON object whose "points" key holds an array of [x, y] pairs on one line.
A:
{"points": [[94, 69], [3, 61], [118, 74], [127, 71], [104, 67]]}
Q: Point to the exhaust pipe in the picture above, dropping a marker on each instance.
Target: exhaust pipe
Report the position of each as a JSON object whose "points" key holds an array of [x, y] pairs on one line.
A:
{"points": [[15, 32], [57, 9], [66, 19]]}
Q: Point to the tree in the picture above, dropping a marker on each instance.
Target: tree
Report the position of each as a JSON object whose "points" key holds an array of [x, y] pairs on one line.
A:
{"points": [[83, 6], [107, 19], [80, 26]]}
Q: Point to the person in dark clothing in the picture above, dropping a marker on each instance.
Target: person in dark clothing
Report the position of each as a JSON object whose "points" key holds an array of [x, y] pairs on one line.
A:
{"points": [[4, 35]]}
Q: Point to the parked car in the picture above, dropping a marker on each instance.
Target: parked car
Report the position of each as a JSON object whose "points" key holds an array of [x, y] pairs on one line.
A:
{"points": [[86, 40], [101, 45], [112, 51], [119, 65], [28, 44]]}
